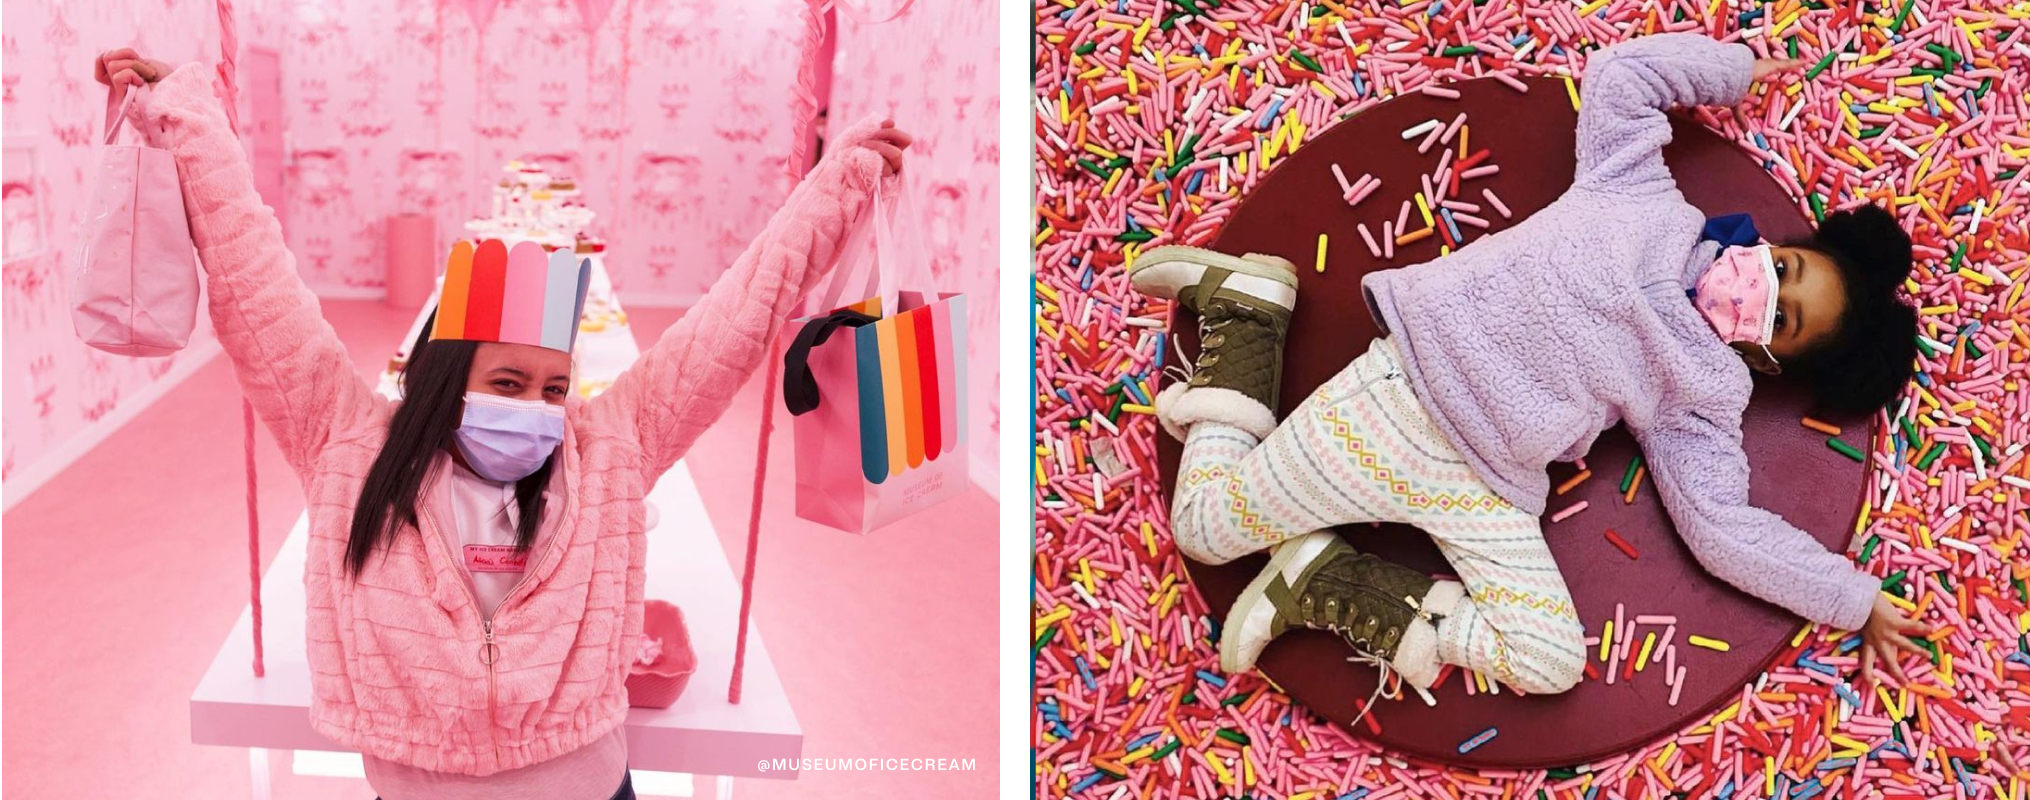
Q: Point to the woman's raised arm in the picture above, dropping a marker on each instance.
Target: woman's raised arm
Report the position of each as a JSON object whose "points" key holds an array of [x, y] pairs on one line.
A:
{"points": [[289, 361], [687, 379]]}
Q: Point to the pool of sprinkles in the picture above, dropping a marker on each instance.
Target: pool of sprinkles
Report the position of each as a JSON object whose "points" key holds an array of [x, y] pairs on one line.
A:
{"points": [[1152, 118]]}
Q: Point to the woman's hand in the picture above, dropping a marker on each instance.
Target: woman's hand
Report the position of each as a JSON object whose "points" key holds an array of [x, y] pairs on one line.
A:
{"points": [[1888, 631], [124, 68], [1767, 68], [889, 141]]}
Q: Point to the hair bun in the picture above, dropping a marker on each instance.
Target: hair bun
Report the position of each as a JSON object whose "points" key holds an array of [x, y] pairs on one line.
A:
{"points": [[1873, 241]]}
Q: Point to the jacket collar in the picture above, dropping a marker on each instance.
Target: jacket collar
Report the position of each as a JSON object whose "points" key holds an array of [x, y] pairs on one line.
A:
{"points": [[437, 487], [1702, 255], [1719, 232]]}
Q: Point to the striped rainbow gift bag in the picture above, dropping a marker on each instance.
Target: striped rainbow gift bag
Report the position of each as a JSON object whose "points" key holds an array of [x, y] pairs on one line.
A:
{"points": [[879, 398]]}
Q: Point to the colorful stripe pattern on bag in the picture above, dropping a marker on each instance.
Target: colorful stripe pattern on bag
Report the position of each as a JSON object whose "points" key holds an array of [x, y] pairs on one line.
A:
{"points": [[870, 306], [908, 397], [518, 296]]}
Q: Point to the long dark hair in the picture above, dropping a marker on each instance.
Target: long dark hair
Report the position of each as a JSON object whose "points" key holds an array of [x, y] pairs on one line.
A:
{"points": [[433, 405]]}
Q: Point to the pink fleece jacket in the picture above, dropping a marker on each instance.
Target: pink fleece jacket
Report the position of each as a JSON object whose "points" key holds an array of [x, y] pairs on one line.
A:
{"points": [[395, 655]]}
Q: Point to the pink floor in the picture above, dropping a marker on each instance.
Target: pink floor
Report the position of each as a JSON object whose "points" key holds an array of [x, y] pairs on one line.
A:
{"points": [[122, 574]]}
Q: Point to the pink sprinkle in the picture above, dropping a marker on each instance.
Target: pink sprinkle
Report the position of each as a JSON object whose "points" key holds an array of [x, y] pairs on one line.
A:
{"points": [[1429, 140], [1344, 187], [1440, 91], [1362, 188], [1454, 127], [1480, 172], [1510, 81], [1575, 508], [1656, 619], [1677, 686], [1372, 248], [1363, 193], [1496, 202]]}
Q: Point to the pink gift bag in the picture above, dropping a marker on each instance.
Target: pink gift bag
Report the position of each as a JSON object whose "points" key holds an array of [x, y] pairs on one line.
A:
{"points": [[879, 387], [135, 289]]}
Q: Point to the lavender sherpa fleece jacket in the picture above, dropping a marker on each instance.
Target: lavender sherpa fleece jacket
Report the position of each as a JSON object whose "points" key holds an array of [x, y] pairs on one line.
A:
{"points": [[1529, 343]]}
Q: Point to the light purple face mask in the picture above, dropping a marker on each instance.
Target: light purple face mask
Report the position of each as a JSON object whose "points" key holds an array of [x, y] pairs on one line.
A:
{"points": [[1737, 296], [506, 440]]}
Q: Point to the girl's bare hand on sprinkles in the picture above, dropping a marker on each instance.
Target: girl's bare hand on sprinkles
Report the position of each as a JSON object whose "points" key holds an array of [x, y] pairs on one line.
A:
{"points": [[1889, 630], [1768, 68]]}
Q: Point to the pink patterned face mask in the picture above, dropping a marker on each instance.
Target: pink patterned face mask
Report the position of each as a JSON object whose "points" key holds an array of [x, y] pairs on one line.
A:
{"points": [[1737, 296]]}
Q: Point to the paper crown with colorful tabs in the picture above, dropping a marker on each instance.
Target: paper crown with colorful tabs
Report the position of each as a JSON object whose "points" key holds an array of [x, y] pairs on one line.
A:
{"points": [[516, 296]]}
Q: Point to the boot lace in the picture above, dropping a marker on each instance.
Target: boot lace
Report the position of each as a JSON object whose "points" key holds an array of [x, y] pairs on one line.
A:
{"points": [[1382, 682], [1389, 674], [1183, 367]]}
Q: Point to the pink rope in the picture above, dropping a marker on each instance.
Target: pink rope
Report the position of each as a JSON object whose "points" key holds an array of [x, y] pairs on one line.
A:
{"points": [[804, 101], [253, 534], [754, 526], [226, 85], [804, 106]]}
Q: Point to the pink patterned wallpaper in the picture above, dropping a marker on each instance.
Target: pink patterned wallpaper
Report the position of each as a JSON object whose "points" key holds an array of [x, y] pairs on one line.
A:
{"points": [[932, 70], [53, 112], [672, 116]]}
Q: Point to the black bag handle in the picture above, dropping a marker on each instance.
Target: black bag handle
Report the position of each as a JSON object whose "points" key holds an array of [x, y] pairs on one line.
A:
{"points": [[799, 386]]}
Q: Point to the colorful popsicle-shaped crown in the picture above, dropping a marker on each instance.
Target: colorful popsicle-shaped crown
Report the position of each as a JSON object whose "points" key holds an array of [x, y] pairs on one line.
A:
{"points": [[517, 296]]}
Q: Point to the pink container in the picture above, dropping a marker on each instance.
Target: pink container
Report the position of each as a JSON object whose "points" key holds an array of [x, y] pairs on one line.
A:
{"points": [[658, 685], [412, 260]]}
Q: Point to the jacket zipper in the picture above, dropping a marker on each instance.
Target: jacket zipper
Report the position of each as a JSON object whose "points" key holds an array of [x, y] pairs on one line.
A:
{"points": [[488, 650]]}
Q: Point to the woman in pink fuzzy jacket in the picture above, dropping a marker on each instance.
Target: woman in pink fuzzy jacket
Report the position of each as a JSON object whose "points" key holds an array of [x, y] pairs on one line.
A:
{"points": [[502, 683]]}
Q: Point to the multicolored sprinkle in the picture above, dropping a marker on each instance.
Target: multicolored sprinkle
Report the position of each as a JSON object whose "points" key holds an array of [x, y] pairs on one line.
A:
{"points": [[1152, 118]]}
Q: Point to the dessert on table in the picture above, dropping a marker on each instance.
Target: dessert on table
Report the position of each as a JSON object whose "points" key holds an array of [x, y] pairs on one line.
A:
{"points": [[531, 205]]}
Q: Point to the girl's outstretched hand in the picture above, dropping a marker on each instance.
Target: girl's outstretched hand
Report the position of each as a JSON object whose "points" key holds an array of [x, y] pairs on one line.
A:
{"points": [[123, 68], [1767, 68], [1888, 630], [889, 141]]}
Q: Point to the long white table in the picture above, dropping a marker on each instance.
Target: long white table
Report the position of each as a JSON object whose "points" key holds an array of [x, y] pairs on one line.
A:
{"points": [[702, 734]]}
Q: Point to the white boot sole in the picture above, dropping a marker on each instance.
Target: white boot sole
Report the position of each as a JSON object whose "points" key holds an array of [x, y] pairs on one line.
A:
{"points": [[1255, 599], [1167, 271]]}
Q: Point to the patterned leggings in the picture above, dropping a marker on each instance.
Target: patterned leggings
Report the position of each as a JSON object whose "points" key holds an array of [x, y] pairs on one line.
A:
{"points": [[1363, 449]]}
